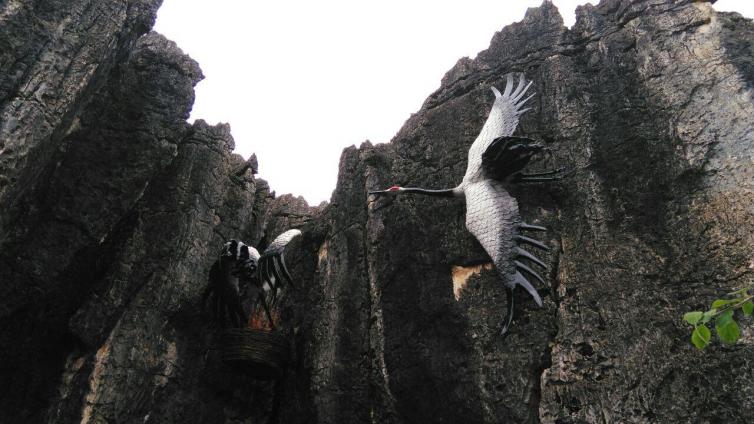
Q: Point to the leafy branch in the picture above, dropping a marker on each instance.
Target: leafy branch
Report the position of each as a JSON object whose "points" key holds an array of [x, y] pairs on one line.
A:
{"points": [[721, 315]]}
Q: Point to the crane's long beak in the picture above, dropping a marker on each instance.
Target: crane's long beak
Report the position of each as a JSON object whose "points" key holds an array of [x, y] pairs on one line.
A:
{"points": [[378, 192]]}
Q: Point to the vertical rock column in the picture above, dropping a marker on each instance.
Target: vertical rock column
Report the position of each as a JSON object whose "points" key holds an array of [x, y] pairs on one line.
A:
{"points": [[54, 56], [53, 250]]}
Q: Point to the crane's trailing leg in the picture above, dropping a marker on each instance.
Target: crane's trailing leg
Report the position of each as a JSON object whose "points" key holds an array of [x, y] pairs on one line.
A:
{"points": [[508, 315]]}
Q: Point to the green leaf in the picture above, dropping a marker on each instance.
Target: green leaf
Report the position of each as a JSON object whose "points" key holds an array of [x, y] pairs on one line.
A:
{"points": [[693, 318], [723, 319], [728, 332], [708, 315], [700, 337], [719, 303], [748, 307]]}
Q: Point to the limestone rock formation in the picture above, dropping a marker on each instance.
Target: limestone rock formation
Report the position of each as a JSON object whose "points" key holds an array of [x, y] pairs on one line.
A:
{"points": [[112, 208]]}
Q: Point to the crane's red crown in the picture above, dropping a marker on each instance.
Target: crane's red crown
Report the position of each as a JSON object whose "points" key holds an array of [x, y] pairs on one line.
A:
{"points": [[394, 188]]}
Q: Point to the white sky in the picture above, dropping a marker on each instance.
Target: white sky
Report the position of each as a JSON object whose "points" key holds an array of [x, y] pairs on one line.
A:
{"points": [[300, 80]]}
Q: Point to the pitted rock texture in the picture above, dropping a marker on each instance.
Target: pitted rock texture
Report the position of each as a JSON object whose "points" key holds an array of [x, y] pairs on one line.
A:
{"points": [[649, 104], [54, 55], [113, 208]]}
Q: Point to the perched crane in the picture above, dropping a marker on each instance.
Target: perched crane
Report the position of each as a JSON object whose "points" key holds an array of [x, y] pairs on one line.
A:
{"points": [[496, 159], [241, 268]]}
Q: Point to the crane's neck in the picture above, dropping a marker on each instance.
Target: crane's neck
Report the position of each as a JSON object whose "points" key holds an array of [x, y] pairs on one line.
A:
{"points": [[448, 192]]}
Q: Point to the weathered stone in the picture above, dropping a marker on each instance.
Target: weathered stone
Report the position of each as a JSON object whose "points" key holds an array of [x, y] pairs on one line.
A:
{"points": [[85, 194], [53, 56], [113, 209], [649, 103]]}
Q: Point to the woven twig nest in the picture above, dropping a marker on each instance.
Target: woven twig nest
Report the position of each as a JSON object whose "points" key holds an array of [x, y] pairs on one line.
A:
{"points": [[261, 353]]}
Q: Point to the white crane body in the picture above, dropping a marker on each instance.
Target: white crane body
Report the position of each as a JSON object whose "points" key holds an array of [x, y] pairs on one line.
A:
{"points": [[495, 160]]}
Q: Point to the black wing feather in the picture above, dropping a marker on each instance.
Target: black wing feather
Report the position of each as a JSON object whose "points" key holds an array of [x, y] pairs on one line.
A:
{"points": [[507, 156], [273, 263]]}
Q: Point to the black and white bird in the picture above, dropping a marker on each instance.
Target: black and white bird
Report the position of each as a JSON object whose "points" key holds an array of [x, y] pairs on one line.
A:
{"points": [[496, 160], [241, 269]]}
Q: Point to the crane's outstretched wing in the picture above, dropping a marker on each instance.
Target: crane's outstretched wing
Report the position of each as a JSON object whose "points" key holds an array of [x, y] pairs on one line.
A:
{"points": [[502, 120], [272, 269]]}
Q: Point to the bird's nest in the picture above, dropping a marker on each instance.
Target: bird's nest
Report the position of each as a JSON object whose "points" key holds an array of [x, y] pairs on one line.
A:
{"points": [[261, 353]]}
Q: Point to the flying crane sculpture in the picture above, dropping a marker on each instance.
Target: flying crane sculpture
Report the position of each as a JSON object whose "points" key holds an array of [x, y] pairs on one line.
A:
{"points": [[240, 268], [496, 159]]}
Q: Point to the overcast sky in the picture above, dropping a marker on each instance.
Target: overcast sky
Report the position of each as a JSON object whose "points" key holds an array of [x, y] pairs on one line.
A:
{"points": [[298, 81]]}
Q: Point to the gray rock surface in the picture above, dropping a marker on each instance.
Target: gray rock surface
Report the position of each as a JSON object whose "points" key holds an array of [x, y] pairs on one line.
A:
{"points": [[113, 226], [649, 102], [112, 209]]}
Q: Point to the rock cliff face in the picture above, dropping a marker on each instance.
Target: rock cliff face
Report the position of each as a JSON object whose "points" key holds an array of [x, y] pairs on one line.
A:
{"points": [[112, 209]]}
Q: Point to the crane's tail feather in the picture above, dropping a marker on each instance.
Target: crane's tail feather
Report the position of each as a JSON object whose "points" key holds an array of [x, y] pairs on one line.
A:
{"points": [[286, 274], [278, 282], [275, 269], [531, 227], [272, 269], [531, 241], [509, 313], [521, 253], [520, 280], [521, 267]]}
